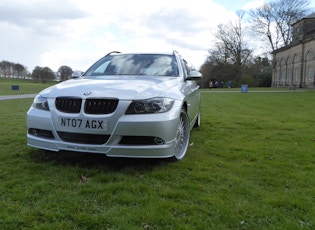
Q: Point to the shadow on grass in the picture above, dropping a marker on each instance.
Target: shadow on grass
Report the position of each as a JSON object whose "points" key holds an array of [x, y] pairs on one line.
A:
{"points": [[97, 161]]}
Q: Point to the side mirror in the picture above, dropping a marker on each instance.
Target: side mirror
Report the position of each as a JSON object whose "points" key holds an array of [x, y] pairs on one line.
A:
{"points": [[194, 75], [76, 74]]}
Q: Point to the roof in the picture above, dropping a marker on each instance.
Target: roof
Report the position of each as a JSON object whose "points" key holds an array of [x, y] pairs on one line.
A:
{"points": [[310, 16], [142, 53]]}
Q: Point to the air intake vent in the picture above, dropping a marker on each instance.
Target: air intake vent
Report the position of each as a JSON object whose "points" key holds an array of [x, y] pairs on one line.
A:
{"points": [[100, 106], [68, 104], [81, 138]]}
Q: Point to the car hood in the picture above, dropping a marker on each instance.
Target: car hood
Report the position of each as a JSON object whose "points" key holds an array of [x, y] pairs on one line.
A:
{"points": [[122, 87]]}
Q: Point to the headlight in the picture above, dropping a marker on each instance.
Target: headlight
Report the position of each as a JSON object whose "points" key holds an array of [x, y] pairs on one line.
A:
{"points": [[41, 103], [154, 105]]}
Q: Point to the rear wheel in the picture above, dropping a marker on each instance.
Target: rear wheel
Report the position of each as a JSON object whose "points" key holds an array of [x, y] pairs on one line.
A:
{"points": [[182, 136]]}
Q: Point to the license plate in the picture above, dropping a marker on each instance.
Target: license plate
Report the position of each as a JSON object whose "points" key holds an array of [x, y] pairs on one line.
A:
{"points": [[83, 123]]}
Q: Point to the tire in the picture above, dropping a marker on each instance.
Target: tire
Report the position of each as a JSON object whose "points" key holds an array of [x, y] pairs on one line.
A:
{"points": [[182, 136]]}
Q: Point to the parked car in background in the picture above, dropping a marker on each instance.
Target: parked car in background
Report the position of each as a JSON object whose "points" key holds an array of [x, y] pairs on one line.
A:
{"points": [[140, 105]]}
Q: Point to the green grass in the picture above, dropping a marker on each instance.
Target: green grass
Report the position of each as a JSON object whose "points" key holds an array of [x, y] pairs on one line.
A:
{"points": [[249, 166], [25, 86]]}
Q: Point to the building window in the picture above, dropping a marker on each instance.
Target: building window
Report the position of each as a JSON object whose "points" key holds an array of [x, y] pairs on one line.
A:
{"points": [[309, 73], [296, 75]]}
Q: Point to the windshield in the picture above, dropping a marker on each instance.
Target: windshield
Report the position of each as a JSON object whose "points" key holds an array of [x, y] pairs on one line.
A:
{"points": [[135, 64]]}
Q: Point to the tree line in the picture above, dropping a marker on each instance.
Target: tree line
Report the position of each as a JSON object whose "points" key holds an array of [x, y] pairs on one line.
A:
{"points": [[39, 74], [232, 57], [10, 69]]}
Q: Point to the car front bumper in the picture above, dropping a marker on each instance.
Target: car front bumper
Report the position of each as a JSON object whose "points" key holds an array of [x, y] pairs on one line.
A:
{"points": [[158, 132]]}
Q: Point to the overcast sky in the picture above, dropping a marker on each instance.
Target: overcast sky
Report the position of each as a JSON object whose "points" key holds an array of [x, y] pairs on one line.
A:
{"points": [[77, 33]]}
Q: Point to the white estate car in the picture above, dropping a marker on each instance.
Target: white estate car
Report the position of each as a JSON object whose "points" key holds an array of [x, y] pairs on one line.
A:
{"points": [[141, 105]]}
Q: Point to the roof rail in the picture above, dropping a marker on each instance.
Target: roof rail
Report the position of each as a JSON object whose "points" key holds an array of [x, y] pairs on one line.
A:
{"points": [[113, 52]]}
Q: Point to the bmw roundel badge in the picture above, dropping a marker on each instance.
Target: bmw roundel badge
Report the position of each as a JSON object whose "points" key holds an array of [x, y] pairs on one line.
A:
{"points": [[87, 93]]}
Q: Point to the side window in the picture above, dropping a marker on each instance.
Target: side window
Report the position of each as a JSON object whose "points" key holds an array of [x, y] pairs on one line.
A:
{"points": [[101, 69]]}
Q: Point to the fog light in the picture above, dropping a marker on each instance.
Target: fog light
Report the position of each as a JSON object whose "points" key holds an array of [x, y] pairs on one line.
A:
{"points": [[158, 141], [41, 133]]}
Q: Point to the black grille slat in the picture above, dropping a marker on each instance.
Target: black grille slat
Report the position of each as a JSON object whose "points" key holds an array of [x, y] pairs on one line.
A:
{"points": [[137, 140], [82, 138], [100, 106], [68, 104], [92, 105]]}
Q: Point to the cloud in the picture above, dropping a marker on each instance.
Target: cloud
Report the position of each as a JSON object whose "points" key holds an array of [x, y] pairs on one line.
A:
{"points": [[78, 32], [253, 4], [38, 14]]}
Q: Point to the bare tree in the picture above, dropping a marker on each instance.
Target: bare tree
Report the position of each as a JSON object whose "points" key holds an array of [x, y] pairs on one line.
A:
{"points": [[48, 74], [274, 20], [10, 69], [18, 69], [36, 74], [65, 72], [231, 47], [6, 68], [41, 74]]}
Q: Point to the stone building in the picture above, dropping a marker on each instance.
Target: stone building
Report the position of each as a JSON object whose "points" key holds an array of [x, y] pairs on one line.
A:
{"points": [[294, 64]]}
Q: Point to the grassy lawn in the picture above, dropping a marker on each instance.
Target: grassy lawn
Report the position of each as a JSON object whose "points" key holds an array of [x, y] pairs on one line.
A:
{"points": [[249, 166], [25, 86]]}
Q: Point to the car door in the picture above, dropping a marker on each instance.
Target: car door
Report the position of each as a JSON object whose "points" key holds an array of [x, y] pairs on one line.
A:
{"points": [[192, 94]]}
